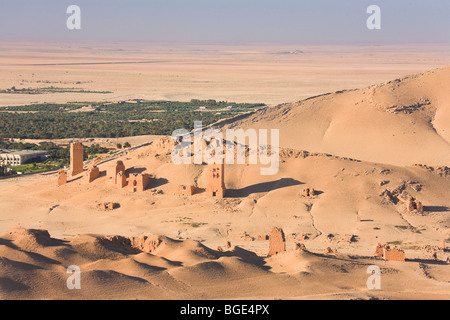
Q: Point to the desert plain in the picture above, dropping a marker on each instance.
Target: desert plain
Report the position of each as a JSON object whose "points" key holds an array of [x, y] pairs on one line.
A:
{"points": [[367, 127]]}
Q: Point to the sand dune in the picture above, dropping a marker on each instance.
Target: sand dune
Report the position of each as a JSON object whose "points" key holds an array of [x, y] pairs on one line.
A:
{"points": [[401, 122], [125, 273]]}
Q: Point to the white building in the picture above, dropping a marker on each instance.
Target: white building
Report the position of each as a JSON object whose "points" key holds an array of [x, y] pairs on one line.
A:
{"points": [[18, 157]]}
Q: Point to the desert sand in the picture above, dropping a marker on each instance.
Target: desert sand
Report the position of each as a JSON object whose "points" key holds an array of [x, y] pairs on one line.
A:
{"points": [[254, 73], [360, 149]]}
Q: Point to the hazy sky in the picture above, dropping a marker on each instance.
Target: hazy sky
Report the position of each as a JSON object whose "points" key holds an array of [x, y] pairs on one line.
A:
{"points": [[233, 21]]}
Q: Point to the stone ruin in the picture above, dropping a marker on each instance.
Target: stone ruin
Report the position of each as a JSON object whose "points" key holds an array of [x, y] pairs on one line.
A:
{"points": [[163, 146], [76, 158], [94, 171], [62, 177], [393, 255], [121, 180], [186, 190], [413, 205], [442, 245], [138, 182], [328, 251], [216, 186], [113, 173], [277, 242], [107, 206], [300, 246], [309, 192], [384, 251]]}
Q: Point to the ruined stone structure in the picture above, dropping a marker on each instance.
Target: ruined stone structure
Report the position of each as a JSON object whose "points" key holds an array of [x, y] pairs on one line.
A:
{"points": [[107, 206], [216, 186], [121, 180], [329, 251], [138, 182], [93, 173], [186, 190], [414, 205], [62, 177], [76, 158], [379, 250], [309, 192], [163, 146], [419, 206], [277, 242], [113, 172], [393, 255], [300, 246]]}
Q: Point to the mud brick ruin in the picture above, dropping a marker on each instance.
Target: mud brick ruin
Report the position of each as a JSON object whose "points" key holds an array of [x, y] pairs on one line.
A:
{"points": [[329, 251], [413, 205], [163, 146], [379, 250], [388, 254], [393, 255], [107, 206], [113, 172], [93, 173], [309, 192], [442, 245], [216, 186], [138, 182], [121, 180], [62, 177], [277, 242], [186, 190], [76, 158]]}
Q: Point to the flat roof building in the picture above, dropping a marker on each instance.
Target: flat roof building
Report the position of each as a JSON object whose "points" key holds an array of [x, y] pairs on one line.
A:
{"points": [[18, 157]]}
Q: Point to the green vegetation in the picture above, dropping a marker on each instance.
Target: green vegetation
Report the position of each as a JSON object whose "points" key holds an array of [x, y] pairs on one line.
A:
{"points": [[37, 167], [395, 243], [58, 156], [112, 120], [402, 227]]}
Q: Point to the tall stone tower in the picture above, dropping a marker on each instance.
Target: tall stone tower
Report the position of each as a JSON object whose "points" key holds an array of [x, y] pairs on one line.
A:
{"points": [[76, 158], [216, 185]]}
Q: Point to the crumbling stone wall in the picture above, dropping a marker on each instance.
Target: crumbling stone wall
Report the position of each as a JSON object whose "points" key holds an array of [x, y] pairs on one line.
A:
{"points": [[93, 173], [115, 170], [393, 255], [62, 177], [277, 242], [413, 205], [186, 190], [121, 180], [309, 192]]}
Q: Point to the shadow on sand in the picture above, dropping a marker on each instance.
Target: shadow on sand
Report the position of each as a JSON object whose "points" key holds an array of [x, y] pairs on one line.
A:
{"points": [[262, 187]]}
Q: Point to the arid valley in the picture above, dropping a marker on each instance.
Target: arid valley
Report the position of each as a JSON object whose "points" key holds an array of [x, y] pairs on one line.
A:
{"points": [[363, 168]]}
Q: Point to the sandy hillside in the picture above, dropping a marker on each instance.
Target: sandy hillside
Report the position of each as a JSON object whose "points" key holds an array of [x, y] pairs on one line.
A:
{"points": [[33, 266], [404, 122], [357, 205]]}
